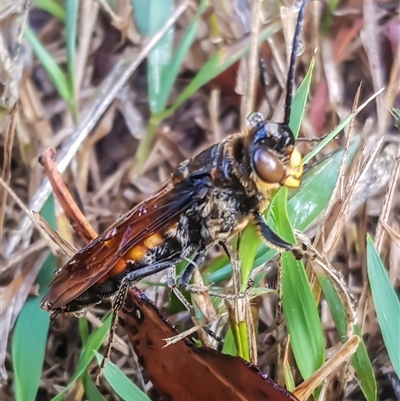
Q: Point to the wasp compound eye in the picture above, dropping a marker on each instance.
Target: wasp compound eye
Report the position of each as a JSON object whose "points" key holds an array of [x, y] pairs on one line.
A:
{"points": [[268, 167]]}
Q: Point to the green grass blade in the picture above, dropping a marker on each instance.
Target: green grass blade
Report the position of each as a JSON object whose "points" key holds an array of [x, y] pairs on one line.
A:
{"points": [[249, 243], [170, 73], [307, 202], [396, 114], [94, 342], [229, 345], [300, 101], [52, 7], [71, 21], [218, 63], [120, 383], [328, 138], [29, 339], [55, 73], [301, 314], [91, 391], [335, 306], [360, 360], [364, 370], [31, 328], [387, 304], [84, 331], [150, 16]]}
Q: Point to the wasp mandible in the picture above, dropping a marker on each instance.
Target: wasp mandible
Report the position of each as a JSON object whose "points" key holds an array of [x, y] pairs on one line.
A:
{"points": [[208, 199]]}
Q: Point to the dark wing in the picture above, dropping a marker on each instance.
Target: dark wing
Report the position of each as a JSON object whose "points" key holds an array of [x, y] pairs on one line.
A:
{"points": [[97, 259]]}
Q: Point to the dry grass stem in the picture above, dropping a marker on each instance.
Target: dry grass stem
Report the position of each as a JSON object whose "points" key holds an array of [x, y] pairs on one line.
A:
{"points": [[8, 146], [387, 202], [370, 38], [252, 64], [20, 257], [111, 86], [75, 216], [305, 389]]}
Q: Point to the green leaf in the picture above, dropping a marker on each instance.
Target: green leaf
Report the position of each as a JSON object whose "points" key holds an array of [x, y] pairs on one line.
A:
{"points": [[386, 302], [84, 331], [300, 101], [301, 314], [278, 218], [364, 370], [328, 138], [218, 63], [396, 114], [360, 360], [170, 73], [249, 242], [52, 7], [150, 16], [28, 350], [229, 346], [29, 339], [71, 20], [55, 73], [287, 374], [91, 391], [94, 342], [120, 383], [335, 306], [243, 345]]}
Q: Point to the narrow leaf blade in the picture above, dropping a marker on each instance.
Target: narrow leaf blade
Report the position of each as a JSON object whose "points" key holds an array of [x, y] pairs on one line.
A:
{"points": [[93, 343], [170, 73], [55, 73], [120, 383], [149, 17], [301, 314], [387, 304]]}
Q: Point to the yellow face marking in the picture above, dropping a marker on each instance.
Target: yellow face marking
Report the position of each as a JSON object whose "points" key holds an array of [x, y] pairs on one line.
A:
{"points": [[153, 241], [292, 182], [295, 164], [294, 170]]}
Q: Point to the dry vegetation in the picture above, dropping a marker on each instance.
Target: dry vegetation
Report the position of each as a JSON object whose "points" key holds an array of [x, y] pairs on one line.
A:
{"points": [[116, 145]]}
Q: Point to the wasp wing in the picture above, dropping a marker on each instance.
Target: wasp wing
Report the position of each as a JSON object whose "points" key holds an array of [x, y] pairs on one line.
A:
{"points": [[97, 259]]}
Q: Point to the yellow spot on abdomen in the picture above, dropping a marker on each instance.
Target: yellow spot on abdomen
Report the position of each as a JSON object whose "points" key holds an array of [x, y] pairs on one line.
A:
{"points": [[153, 241], [119, 267], [137, 252]]}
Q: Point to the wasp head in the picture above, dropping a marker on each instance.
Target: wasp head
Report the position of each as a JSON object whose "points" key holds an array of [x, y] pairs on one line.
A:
{"points": [[273, 156]]}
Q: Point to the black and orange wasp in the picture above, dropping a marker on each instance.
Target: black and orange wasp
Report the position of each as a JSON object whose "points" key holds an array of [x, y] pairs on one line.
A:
{"points": [[208, 199]]}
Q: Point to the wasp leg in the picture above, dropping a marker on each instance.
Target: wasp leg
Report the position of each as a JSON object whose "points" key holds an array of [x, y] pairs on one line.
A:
{"points": [[191, 267], [195, 264], [172, 285], [116, 306], [185, 278], [273, 241]]}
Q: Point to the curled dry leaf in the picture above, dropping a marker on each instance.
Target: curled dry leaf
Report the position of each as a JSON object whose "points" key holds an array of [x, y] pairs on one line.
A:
{"points": [[185, 372]]}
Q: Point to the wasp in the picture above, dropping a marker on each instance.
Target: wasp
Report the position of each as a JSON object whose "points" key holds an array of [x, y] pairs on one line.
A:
{"points": [[208, 200]]}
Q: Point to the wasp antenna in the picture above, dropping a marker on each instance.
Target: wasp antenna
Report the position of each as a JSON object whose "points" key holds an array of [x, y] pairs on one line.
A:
{"points": [[293, 56]]}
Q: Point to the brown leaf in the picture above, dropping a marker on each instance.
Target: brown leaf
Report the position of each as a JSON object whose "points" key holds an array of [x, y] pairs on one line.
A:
{"points": [[185, 372]]}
